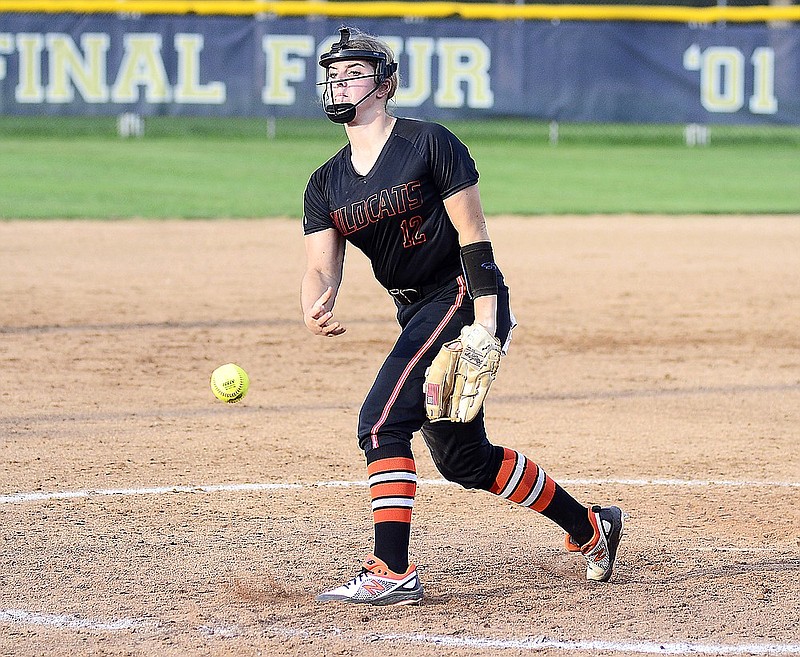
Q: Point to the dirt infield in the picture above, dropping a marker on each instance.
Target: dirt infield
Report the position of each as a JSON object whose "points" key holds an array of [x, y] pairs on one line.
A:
{"points": [[656, 366]]}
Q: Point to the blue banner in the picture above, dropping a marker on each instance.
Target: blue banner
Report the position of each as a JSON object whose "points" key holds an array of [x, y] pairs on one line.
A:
{"points": [[95, 64]]}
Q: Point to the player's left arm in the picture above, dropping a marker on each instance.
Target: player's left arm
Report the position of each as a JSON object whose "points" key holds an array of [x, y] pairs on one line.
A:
{"points": [[466, 214]]}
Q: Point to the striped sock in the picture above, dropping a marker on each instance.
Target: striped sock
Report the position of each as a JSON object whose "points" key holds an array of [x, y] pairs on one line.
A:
{"points": [[520, 480], [392, 487]]}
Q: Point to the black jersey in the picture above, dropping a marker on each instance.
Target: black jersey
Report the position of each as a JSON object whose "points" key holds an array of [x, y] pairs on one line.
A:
{"points": [[395, 214]]}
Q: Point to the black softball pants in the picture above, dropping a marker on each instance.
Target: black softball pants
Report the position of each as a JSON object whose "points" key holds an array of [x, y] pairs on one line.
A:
{"points": [[395, 405]]}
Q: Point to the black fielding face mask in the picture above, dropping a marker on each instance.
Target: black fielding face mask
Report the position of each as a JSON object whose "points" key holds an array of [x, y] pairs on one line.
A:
{"points": [[344, 112], [342, 51]]}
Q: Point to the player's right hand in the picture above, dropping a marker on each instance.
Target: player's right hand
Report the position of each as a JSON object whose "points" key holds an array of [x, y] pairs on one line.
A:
{"points": [[319, 320]]}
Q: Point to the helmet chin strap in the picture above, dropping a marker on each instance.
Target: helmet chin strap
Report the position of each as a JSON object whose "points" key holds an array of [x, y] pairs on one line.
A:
{"points": [[343, 112]]}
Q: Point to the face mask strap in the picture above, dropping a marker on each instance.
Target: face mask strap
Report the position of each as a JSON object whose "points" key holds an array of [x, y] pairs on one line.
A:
{"points": [[346, 112], [343, 112]]}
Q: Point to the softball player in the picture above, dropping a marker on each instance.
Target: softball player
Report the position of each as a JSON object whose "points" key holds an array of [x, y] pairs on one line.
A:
{"points": [[405, 192]]}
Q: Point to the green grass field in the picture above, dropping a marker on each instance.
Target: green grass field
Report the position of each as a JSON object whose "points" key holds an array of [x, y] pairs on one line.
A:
{"points": [[198, 168]]}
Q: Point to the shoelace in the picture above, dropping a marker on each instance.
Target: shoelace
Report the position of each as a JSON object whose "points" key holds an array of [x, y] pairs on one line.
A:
{"points": [[357, 579]]}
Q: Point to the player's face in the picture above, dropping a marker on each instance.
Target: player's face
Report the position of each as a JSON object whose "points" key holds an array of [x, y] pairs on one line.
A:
{"points": [[350, 81]]}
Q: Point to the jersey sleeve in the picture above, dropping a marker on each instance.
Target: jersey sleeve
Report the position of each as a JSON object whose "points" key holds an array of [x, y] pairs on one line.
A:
{"points": [[316, 212], [451, 164]]}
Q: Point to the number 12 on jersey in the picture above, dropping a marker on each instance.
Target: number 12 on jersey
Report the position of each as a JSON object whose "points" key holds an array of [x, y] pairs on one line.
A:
{"points": [[411, 233]]}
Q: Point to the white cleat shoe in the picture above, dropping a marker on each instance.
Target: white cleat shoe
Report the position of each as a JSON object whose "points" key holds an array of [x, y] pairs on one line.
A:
{"points": [[377, 585], [601, 551]]}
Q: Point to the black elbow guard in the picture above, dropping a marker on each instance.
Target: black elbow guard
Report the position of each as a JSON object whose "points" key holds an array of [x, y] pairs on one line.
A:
{"points": [[480, 270]]}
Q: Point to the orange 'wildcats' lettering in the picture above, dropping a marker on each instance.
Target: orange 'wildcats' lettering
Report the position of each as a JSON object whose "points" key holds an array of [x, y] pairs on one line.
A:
{"points": [[385, 203]]}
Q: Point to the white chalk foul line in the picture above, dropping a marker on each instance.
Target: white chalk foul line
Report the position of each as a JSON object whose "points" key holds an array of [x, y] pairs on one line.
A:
{"points": [[540, 643], [68, 621], [20, 498], [592, 646], [532, 644]]}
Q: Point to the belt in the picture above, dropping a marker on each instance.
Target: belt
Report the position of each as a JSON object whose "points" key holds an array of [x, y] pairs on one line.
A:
{"points": [[405, 296]]}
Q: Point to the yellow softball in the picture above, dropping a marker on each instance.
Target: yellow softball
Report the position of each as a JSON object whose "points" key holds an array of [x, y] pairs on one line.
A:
{"points": [[229, 383]]}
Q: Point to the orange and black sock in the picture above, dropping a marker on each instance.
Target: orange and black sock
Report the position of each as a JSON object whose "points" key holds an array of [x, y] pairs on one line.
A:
{"points": [[520, 480], [392, 487]]}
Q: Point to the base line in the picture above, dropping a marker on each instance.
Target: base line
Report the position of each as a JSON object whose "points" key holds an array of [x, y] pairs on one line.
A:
{"points": [[20, 498], [594, 646], [69, 621], [532, 644]]}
